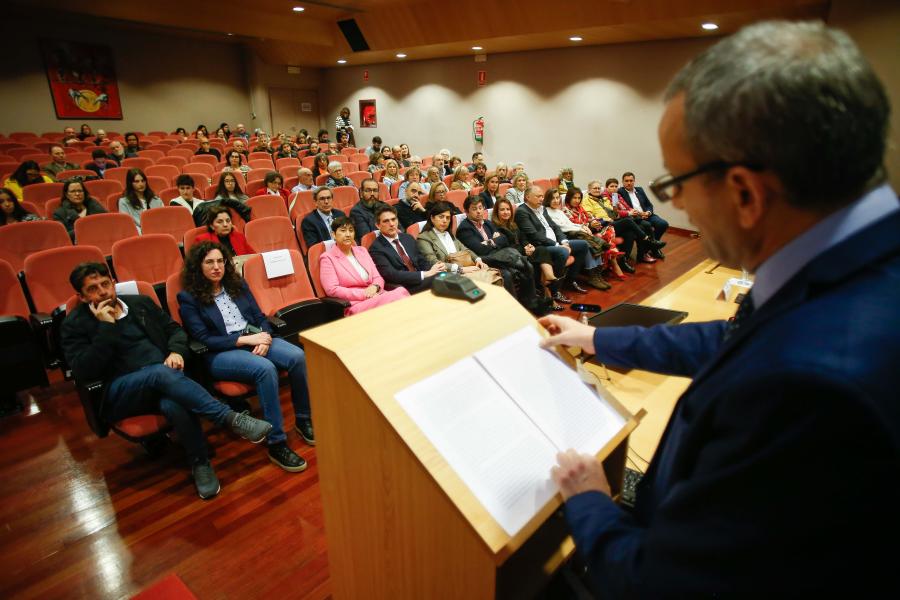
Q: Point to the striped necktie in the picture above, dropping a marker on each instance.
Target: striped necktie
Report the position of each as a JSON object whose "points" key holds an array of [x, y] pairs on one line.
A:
{"points": [[745, 309]]}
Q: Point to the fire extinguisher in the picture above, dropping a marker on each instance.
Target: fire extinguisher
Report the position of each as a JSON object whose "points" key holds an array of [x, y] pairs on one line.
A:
{"points": [[478, 129]]}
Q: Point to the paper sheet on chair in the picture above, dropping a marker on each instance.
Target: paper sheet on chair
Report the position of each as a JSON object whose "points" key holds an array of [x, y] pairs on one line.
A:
{"points": [[278, 263], [499, 417]]}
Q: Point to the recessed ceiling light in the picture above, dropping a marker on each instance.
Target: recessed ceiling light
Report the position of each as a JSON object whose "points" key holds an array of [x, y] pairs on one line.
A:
{"points": [[709, 26], [401, 55], [575, 38], [477, 48], [342, 61], [229, 34], [298, 9]]}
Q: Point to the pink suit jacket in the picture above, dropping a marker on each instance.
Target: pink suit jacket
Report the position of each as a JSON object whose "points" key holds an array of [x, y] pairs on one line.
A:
{"points": [[341, 280]]}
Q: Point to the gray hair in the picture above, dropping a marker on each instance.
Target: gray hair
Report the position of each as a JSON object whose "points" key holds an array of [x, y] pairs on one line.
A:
{"points": [[798, 99], [334, 165], [304, 171]]}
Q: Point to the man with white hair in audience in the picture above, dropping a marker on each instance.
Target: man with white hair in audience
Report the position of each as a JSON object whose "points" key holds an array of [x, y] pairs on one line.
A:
{"points": [[336, 175], [240, 131], [304, 181]]}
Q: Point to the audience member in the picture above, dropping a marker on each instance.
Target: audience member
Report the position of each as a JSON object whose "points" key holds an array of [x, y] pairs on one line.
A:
{"points": [[101, 138], [74, 204], [516, 192], [566, 180], [186, 200], [600, 207], [274, 183], [336, 176], [241, 131], [375, 147], [342, 125], [27, 173], [614, 199], [491, 190], [376, 163], [304, 181], [637, 199], [220, 229], [410, 208], [11, 209], [206, 149], [502, 172], [69, 136], [483, 238], [316, 226], [240, 146], [219, 310], [593, 262], [363, 212], [347, 272], [461, 179], [116, 152], [131, 344], [391, 173], [603, 230], [440, 164], [395, 254], [100, 162], [539, 229], [320, 165], [85, 132], [235, 164], [437, 244], [138, 196], [132, 145], [58, 163]]}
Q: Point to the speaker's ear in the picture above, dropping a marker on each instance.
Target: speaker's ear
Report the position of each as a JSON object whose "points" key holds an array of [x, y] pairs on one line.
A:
{"points": [[353, 35]]}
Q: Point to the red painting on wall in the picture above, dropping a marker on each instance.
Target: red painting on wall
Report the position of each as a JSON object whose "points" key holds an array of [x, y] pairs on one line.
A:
{"points": [[82, 80]]}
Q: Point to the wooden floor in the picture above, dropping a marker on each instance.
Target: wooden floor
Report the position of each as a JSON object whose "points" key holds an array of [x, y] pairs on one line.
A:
{"points": [[82, 517]]}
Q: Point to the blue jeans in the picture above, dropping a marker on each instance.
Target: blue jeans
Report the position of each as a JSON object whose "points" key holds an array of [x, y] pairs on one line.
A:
{"points": [[244, 366], [176, 395], [579, 250], [659, 225]]}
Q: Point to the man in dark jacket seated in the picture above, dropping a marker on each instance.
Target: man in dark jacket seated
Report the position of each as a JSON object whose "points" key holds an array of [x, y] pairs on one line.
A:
{"points": [[396, 256], [316, 226], [138, 351]]}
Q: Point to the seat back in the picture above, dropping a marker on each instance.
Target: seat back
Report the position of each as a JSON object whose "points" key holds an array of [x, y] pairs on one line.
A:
{"points": [[153, 155], [190, 237], [457, 198], [303, 204], [312, 260], [173, 220], [274, 294], [209, 159], [359, 159], [267, 206], [39, 193], [167, 172], [368, 239], [12, 297], [102, 188], [176, 161], [152, 258], [47, 274], [271, 233], [415, 229], [173, 286], [345, 197], [137, 163], [63, 175], [288, 162], [358, 177], [117, 174], [18, 240], [103, 230]]}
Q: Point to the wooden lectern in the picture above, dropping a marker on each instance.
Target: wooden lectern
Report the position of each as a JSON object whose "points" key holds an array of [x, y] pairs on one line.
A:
{"points": [[399, 522]]}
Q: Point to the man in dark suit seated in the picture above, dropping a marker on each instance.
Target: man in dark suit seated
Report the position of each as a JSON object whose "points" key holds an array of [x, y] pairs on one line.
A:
{"points": [[779, 471], [316, 226], [138, 351], [396, 256], [481, 237], [539, 229], [636, 198], [363, 212]]}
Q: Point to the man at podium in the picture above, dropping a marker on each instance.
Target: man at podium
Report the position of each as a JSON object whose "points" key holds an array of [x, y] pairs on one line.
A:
{"points": [[779, 471]]}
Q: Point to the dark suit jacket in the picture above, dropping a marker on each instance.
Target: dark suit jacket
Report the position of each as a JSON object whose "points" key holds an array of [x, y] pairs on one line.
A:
{"points": [[391, 266], [486, 199], [471, 239], [531, 229], [363, 218], [407, 216], [205, 324], [779, 472], [313, 227], [90, 345], [642, 196]]}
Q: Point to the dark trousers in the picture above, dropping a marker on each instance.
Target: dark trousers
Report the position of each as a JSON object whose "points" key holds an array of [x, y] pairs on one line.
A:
{"points": [[157, 388], [659, 225]]}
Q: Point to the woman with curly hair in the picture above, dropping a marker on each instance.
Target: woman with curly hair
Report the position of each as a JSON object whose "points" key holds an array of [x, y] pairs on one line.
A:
{"points": [[218, 310], [75, 203]]}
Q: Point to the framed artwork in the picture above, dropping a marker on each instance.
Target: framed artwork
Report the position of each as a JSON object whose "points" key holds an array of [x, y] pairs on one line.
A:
{"points": [[368, 115], [82, 80]]}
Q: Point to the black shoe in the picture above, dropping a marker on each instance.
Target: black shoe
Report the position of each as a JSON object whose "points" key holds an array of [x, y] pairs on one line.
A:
{"points": [[205, 480], [305, 428], [657, 253], [577, 288], [627, 268], [656, 244], [558, 296], [286, 458]]}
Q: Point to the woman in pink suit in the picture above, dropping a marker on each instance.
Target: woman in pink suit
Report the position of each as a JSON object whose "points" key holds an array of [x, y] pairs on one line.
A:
{"points": [[347, 272]]}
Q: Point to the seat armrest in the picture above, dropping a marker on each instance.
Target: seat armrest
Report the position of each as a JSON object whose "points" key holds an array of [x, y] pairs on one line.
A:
{"points": [[41, 321], [90, 394], [339, 301], [277, 322]]}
